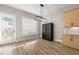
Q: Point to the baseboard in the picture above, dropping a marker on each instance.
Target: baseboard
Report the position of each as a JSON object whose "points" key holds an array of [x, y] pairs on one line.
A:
{"points": [[58, 40]]}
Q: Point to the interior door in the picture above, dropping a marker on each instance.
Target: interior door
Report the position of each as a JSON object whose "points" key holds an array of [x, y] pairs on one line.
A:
{"points": [[8, 28]]}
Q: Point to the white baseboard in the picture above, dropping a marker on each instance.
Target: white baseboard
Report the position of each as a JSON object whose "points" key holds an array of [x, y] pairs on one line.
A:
{"points": [[58, 40]]}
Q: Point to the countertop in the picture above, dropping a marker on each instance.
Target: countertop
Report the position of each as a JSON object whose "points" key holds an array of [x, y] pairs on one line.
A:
{"points": [[71, 31]]}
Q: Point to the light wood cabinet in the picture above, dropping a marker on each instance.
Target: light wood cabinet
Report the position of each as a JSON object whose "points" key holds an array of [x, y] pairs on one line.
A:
{"points": [[71, 41], [67, 20], [71, 18]]}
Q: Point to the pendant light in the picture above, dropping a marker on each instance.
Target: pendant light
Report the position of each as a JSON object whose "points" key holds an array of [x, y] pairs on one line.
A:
{"points": [[41, 17]]}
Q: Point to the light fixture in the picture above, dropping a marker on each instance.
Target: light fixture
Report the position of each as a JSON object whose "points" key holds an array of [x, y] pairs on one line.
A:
{"points": [[41, 17]]}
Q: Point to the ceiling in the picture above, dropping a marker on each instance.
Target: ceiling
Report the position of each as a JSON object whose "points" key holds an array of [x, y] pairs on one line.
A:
{"points": [[35, 8]]}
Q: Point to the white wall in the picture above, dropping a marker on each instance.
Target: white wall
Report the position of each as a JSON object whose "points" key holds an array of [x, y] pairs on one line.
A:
{"points": [[57, 18], [19, 15]]}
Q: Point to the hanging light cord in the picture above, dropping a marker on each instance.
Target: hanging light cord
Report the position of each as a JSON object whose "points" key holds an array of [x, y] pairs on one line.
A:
{"points": [[41, 14], [41, 10]]}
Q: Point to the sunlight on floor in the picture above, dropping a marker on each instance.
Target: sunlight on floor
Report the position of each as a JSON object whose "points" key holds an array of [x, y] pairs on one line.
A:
{"points": [[9, 49]]}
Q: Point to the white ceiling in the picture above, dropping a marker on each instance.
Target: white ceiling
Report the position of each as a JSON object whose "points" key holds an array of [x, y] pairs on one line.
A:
{"points": [[35, 8]]}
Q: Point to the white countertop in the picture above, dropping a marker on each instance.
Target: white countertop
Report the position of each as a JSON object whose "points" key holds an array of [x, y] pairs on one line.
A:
{"points": [[72, 31]]}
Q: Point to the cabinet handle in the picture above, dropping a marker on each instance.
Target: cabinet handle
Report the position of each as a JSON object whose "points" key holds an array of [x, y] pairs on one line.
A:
{"points": [[72, 24], [71, 39]]}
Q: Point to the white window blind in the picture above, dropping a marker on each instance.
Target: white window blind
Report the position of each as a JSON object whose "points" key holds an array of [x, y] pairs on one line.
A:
{"points": [[29, 26]]}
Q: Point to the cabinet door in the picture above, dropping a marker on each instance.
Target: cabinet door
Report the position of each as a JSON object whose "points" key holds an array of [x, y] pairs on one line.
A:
{"points": [[71, 41], [75, 42], [68, 19], [75, 17], [67, 39], [71, 18]]}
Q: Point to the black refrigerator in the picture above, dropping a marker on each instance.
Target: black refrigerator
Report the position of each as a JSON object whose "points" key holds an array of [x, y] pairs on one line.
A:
{"points": [[47, 31]]}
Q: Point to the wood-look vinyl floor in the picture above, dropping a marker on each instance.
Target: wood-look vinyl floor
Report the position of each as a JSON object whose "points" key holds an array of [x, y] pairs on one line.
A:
{"points": [[37, 47]]}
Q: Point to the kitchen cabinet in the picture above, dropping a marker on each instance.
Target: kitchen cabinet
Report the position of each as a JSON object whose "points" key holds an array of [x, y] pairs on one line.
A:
{"points": [[71, 41], [67, 19], [71, 18]]}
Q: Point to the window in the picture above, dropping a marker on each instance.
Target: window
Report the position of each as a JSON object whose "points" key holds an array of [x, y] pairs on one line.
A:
{"points": [[8, 27], [29, 26]]}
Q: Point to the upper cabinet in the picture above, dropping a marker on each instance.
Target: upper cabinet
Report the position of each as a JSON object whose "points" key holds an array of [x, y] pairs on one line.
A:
{"points": [[71, 18]]}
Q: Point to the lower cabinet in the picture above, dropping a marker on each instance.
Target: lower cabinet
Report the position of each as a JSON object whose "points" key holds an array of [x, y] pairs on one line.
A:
{"points": [[71, 41]]}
